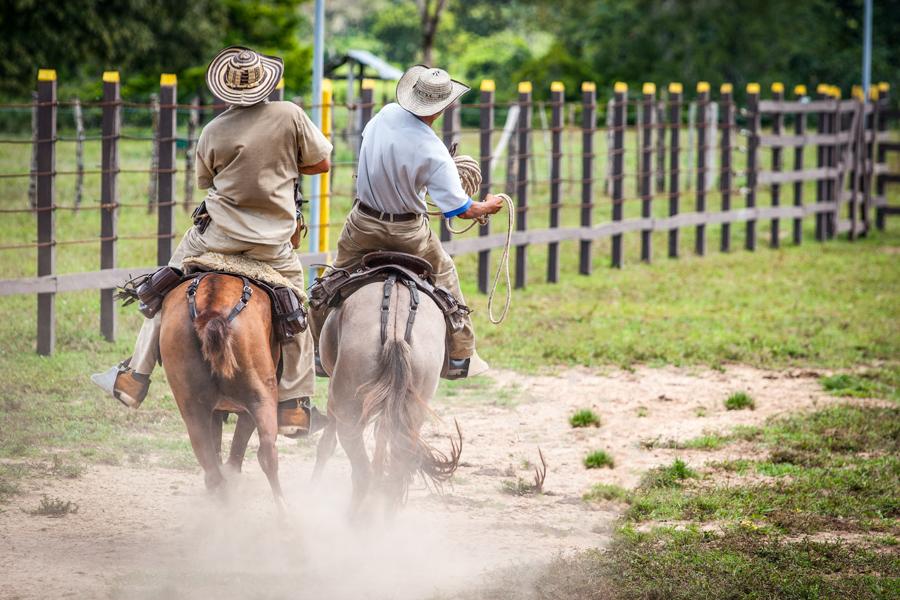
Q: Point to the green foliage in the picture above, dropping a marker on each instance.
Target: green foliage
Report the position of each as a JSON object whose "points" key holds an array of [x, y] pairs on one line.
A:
{"points": [[398, 28], [54, 508], [739, 401], [584, 418], [606, 491], [875, 383], [598, 459], [141, 39], [667, 477]]}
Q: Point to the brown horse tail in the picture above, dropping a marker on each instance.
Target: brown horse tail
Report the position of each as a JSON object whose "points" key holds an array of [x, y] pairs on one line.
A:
{"points": [[391, 401], [215, 341]]}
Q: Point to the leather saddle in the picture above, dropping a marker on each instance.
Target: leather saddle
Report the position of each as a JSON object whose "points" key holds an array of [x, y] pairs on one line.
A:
{"points": [[330, 290]]}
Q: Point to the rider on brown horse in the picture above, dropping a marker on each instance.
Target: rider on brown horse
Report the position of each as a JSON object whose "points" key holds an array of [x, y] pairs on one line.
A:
{"points": [[248, 158], [400, 159]]}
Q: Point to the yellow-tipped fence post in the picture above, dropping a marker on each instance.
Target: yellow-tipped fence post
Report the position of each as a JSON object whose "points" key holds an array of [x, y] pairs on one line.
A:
{"points": [[777, 152], [752, 159], [675, 91], [165, 176], [557, 99], [726, 125], [109, 196], [648, 102], [703, 137], [325, 178], [46, 201], [799, 130], [486, 127]]}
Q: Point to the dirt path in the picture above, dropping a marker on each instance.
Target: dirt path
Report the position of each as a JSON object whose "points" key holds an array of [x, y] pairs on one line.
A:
{"points": [[153, 533]]}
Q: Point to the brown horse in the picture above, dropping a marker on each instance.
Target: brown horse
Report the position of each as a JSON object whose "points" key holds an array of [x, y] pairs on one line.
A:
{"points": [[214, 365], [385, 379]]}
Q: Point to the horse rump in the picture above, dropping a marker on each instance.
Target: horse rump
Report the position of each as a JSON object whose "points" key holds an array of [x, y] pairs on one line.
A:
{"points": [[398, 412], [214, 332]]}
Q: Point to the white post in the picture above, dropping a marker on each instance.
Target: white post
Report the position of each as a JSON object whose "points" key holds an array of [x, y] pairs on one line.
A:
{"points": [[316, 103]]}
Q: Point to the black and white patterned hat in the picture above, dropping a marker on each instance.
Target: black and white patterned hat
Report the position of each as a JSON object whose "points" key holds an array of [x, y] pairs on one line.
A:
{"points": [[242, 76]]}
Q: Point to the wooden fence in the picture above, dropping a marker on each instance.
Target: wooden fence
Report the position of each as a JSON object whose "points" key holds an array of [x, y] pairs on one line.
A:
{"points": [[850, 142]]}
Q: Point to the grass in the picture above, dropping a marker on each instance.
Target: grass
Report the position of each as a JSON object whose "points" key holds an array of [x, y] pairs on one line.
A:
{"points": [[599, 459], [872, 383], [53, 507], [739, 401], [779, 531], [584, 418]]}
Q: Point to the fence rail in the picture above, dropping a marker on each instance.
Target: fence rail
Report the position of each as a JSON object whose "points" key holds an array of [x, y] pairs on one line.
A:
{"points": [[669, 158]]}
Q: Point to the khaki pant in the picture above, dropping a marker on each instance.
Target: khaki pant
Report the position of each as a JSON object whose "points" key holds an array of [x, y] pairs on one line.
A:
{"points": [[363, 234], [298, 378]]}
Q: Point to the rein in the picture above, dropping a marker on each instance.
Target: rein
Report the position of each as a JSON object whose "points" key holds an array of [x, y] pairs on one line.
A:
{"points": [[241, 304]]}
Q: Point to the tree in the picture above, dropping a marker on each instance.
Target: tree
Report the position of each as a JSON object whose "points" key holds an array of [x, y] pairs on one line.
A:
{"points": [[430, 13]]}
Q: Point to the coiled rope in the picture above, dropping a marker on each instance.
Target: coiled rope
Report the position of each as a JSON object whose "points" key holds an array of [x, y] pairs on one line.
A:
{"points": [[470, 177]]}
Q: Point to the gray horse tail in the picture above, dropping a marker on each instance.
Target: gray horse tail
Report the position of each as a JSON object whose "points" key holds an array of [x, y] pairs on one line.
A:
{"points": [[398, 411], [214, 332]]}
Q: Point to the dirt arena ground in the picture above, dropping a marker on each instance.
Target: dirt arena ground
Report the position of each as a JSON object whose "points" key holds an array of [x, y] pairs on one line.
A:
{"points": [[154, 533]]}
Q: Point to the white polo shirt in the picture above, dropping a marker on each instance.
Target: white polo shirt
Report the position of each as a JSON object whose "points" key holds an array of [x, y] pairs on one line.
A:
{"points": [[402, 158]]}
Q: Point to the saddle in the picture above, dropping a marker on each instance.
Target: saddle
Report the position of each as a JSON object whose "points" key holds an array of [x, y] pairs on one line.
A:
{"points": [[330, 290], [288, 314]]}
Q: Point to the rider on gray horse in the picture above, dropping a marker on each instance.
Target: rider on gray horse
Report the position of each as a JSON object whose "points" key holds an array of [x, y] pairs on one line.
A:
{"points": [[400, 159]]}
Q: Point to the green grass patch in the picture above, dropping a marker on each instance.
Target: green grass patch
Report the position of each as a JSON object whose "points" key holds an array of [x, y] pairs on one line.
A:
{"points": [[739, 401], [584, 418], [606, 491], [599, 459], [875, 383], [668, 476]]}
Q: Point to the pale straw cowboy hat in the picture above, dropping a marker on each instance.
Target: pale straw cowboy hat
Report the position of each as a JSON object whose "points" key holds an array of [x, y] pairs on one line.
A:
{"points": [[425, 91], [243, 77]]}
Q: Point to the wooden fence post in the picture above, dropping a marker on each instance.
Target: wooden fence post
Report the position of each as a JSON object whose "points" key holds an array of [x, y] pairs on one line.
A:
{"points": [[557, 98], [486, 124], [834, 186], [675, 90], [821, 162], [646, 168], [524, 147], [752, 158], [726, 126], [660, 121], [109, 195], [799, 130], [702, 142], [190, 155], [777, 152], [79, 151], [588, 125], [620, 107], [366, 106], [165, 202], [46, 206], [447, 134], [880, 128]]}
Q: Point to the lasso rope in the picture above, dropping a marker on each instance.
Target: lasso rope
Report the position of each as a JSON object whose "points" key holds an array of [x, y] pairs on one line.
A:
{"points": [[470, 177]]}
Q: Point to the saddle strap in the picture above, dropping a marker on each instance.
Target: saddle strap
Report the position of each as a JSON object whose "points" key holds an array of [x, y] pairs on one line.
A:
{"points": [[413, 308], [386, 305], [246, 293]]}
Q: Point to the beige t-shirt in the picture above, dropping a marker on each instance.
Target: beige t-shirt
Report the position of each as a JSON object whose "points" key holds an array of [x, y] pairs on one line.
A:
{"points": [[248, 158]]}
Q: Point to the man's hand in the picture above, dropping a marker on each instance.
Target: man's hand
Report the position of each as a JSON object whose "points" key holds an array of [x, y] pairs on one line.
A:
{"points": [[489, 206], [320, 167]]}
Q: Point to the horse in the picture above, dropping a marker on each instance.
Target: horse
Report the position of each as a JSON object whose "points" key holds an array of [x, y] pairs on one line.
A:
{"points": [[214, 364], [384, 371]]}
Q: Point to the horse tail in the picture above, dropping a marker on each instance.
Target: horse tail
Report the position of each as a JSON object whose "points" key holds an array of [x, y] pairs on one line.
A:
{"points": [[214, 332], [398, 411]]}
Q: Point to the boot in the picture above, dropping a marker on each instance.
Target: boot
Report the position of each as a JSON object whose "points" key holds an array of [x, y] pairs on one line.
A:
{"points": [[123, 384], [298, 418]]}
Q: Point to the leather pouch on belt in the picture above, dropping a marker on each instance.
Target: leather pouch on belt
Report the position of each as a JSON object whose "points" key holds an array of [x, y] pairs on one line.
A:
{"points": [[154, 288]]}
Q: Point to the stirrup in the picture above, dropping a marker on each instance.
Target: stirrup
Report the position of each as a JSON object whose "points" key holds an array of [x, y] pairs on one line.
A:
{"points": [[458, 368]]}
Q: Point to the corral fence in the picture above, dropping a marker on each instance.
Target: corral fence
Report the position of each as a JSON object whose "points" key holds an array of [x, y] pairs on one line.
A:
{"points": [[658, 165]]}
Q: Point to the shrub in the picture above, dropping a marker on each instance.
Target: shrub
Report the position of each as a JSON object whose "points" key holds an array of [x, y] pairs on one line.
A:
{"points": [[584, 418], [598, 459], [739, 401]]}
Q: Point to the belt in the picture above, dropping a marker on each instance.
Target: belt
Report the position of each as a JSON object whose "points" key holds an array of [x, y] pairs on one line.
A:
{"points": [[383, 216]]}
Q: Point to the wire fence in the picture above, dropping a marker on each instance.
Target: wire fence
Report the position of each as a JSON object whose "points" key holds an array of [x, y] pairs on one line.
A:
{"points": [[657, 165]]}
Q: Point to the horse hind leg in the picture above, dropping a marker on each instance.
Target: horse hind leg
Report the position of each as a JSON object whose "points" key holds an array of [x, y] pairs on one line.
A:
{"points": [[198, 419], [265, 415], [351, 437], [325, 447], [242, 432]]}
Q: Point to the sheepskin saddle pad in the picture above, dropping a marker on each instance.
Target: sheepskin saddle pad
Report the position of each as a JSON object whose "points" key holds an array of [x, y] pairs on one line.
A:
{"points": [[241, 265]]}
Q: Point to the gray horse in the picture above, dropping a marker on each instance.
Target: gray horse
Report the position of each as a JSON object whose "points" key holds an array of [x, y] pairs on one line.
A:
{"points": [[384, 376]]}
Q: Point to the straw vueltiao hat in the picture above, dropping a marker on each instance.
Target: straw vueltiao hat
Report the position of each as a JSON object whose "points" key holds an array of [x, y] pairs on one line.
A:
{"points": [[425, 91], [242, 76]]}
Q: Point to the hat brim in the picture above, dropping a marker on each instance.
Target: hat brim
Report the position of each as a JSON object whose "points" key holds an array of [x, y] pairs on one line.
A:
{"points": [[273, 71], [408, 99]]}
